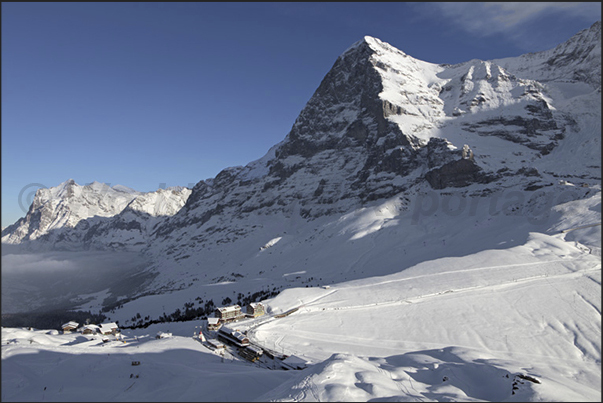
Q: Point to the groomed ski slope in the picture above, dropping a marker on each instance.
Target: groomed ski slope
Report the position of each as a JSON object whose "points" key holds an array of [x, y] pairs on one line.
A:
{"points": [[473, 320]]}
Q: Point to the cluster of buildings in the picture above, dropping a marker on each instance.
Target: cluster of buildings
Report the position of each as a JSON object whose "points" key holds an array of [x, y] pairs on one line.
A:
{"points": [[104, 329], [238, 339], [232, 313]]}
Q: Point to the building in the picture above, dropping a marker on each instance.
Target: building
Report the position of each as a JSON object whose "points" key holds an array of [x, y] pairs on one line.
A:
{"points": [[69, 326], [255, 309], [229, 313], [215, 344], [162, 335], [233, 336], [109, 328], [213, 323], [90, 329]]}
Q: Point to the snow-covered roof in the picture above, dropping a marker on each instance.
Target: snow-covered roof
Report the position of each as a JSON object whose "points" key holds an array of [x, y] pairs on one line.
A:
{"points": [[255, 304], [108, 326], [213, 321], [229, 308], [240, 336], [70, 324]]}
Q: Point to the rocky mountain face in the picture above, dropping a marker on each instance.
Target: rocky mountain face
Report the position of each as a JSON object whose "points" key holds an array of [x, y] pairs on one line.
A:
{"points": [[576, 60], [64, 206], [70, 216], [380, 124]]}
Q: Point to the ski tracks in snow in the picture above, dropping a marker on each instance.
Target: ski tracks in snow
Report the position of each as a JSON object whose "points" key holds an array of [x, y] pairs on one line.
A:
{"points": [[417, 298]]}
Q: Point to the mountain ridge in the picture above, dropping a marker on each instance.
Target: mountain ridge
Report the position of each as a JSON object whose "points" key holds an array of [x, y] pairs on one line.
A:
{"points": [[379, 124]]}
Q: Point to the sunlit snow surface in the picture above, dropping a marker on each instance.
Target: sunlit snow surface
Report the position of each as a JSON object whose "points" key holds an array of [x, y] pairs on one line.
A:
{"points": [[451, 328]]}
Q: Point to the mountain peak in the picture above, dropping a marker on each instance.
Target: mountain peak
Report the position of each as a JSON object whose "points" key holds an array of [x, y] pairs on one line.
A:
{"points": [[576, 60], [379, 123], [372, 45], [68, 182]]}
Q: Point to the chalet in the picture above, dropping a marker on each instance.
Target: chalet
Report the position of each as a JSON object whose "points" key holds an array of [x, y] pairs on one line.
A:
{"points": [[229, 313], [109, 328], [69, 326], [255, 309], [90, 329], [213, 323]]}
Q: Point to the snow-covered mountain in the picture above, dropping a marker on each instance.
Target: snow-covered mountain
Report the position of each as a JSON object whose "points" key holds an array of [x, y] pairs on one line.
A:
{"points": [[383, 124], [434, 230], [58, 216], [380, 123]]}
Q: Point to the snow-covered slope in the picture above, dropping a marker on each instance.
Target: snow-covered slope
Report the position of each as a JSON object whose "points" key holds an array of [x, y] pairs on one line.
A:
{"points": [[576, 60], [519, 321], [383, 124], [456, 328]]}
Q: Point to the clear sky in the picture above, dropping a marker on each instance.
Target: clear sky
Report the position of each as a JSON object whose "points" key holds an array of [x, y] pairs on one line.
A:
{"points": [[148, 95]]}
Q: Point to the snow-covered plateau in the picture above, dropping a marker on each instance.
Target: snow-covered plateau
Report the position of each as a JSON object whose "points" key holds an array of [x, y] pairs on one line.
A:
{"points": [[424, 233]]}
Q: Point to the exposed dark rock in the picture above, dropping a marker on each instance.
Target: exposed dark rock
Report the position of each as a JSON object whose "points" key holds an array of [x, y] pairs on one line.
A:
{"points": [[528, 171], [457, 173]]}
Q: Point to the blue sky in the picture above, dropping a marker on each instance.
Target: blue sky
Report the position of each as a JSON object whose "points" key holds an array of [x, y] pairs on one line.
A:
{"points": [[166, 94]]}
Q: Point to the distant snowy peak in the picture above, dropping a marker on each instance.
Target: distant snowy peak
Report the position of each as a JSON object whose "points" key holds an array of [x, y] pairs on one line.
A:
{"points": [[577, 59], [163, 202], [68, 204]]}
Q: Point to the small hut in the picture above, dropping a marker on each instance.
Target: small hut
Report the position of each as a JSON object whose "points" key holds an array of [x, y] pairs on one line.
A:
{"points": [[69, 326], [109, 328], [163, 335], [90, 329]]}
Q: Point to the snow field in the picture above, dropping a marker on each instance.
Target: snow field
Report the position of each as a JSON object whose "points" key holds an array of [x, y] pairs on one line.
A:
{"points": [[538, 318], [72, 367]]}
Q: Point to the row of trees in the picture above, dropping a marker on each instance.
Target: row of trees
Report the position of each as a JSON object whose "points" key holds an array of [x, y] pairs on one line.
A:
{"points": [[206, 308], [56, 318], [51, 319], [189, 312]]}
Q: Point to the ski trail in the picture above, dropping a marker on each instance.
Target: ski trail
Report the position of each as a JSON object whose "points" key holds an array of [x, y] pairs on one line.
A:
{"points": [[462, 271], [456, 291]]}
